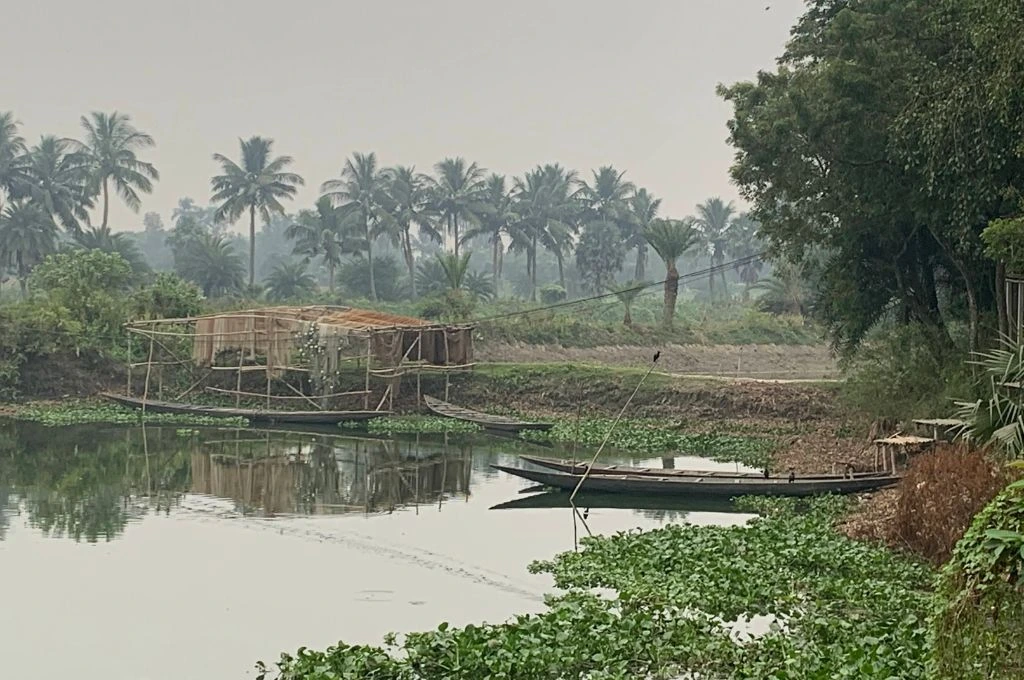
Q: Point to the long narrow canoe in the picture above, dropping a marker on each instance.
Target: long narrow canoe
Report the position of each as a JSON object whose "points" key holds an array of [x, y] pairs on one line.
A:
{"points": [[254, 415], [484, 420], [558, 499], [578, 468], [700, 486]]}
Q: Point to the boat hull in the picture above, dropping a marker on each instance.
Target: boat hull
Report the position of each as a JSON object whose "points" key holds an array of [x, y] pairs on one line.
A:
{"points": [[253, 415], [579, 468], [699, 486], [484, 420]]}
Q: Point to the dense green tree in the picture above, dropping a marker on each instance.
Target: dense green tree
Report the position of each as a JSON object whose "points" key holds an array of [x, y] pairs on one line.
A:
{"points": [[167, 297], [670, 239], [409, 206], [289, 281], [457, 193], [27, 235], [324, 233], [361, 197], [714, 218], [258, 185], [817, 159], [59, 181], [14, 179], [110, 147], [600, 254], [643, 208], [354, 277], [212, 264], [90, 285]]}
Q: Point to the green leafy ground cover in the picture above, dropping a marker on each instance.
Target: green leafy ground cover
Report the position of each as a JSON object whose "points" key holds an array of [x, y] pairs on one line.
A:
{"points": [[85, 412], [849, 609], [411, 425]]}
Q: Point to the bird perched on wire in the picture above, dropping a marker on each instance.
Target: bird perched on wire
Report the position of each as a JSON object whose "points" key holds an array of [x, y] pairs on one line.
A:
{"points": [[657, 355]]}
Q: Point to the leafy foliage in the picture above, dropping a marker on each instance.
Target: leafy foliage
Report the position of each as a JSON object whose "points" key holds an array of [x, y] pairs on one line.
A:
{"points": [[412, 425], [998, 419], [843, 609], [79, 413], [89, 284], [289, 281], [167, 297]]}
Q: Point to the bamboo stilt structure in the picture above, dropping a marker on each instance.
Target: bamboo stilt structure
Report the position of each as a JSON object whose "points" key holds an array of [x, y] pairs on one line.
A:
{"points": [[238, 381], [419, 358], [447, 374], [369, 350], [149, 370], [128, 383]]}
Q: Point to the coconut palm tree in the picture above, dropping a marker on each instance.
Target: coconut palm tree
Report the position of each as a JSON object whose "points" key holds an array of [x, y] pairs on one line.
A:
{"points": [[212, 264], [256, 186], [643, 210], [786, 292], [59, 181], [324, 233], [409, 206], [361, 196], [13, 162], [289, 281], [606, 198], [455, 268], [670, 239], [547, 216], [27, 235], [627, 294], [497, 215], [457, 195], [744, 245], [713, 219], [111, 144]]}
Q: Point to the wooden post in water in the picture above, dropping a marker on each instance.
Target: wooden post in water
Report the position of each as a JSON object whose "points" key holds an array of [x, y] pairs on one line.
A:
{"points": [[238, 380], [419, 370], [149, 369], [447, 362], [128, 384], [369, 350]]}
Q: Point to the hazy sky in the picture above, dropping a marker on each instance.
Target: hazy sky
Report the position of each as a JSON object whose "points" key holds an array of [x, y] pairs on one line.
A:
{"points": [[508, 84]]}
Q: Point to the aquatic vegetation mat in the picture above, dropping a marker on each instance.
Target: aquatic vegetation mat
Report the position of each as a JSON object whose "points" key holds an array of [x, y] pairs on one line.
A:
{"points": [[84, 412], [411, 425], [841, 609], [654, 436]]}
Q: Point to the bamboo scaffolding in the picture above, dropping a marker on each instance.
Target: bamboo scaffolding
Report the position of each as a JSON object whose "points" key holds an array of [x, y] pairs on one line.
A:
{"points": [[220, 390]]}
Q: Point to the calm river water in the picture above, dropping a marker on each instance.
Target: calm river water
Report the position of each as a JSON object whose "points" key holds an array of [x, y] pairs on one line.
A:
{"points": [[167, 553]]}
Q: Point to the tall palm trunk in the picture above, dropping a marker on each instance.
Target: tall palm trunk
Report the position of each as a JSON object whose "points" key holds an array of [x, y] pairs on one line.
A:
{"points": [[106, 202], [410, 260], [454, 222], [711, 277], [641, 262], [1004, 324], [561, 268], [22, 276], [330, 275], [495, 271], [369, 262], [252, 246], [671, 293], [532, 256]]}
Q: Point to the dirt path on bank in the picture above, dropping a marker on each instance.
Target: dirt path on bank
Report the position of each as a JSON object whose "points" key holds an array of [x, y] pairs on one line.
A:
{"points": [[762, 362]]}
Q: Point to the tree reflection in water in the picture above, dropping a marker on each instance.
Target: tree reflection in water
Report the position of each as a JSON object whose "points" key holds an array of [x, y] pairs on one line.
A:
{"points": [[89, 483]]}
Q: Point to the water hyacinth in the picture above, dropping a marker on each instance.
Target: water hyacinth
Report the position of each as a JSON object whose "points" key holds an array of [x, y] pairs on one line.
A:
{"points": [[85, 412]]}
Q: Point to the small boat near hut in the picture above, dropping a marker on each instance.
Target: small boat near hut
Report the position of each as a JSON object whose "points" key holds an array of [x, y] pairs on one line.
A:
{"points": [[708, 485], [251, 414], [484, 420]]}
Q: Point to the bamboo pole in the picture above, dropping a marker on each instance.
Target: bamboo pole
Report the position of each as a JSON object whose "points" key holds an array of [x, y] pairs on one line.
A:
{"points": [[369, 350], [149, 369], [279, 396], [447, 374], [238, 381], [419, 358], [128, 382]]}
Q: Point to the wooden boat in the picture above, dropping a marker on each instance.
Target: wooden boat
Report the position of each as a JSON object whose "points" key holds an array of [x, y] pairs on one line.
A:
{"points": [[484, 420], [701, 486], [596, 499], [578, 468], [251, 414]]}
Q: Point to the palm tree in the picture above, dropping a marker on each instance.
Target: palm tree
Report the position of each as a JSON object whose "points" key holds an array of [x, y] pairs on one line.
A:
{"points": [[27, 235], [323, 233], [607, 199], [455, 268], [546, 212], [98, 238], [59, 177], [786, 292], [497, 214], [744, 244], [289, 281], [457, 194], [627, 293], [111, 143], [13, 177], [713, 219], [409, 205], [212, 264], [643, 211], [257, 185], [360, 195], [670, 239]]}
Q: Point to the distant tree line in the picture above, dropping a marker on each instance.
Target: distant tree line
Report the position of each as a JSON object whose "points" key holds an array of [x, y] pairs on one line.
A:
{"points": [[426, 224]]}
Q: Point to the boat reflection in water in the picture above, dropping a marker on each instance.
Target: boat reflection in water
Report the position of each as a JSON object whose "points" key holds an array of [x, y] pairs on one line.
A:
{"points": [[273, 473]]}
